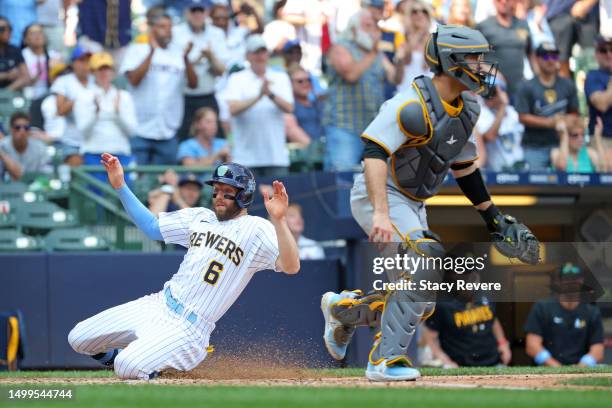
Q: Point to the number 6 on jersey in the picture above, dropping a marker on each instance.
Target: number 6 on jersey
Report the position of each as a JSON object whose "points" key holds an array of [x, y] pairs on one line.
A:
{"points": [[211, 276]]}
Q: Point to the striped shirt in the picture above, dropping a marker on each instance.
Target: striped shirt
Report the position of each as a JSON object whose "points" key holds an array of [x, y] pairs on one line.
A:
{"points": [[353, 105], [221, 259]]}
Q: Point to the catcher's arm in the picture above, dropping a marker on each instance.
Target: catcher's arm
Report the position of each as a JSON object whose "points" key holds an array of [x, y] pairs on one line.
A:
{"points": [[511, 238]]}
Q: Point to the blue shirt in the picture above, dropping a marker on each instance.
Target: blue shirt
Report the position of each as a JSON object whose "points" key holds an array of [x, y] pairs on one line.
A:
{"points": [[309, 119], [192, 148], [597, 80], [555, 8]]}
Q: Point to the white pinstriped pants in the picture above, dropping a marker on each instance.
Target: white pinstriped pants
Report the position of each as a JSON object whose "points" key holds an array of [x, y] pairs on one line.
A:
{"points": [[152, 337]]}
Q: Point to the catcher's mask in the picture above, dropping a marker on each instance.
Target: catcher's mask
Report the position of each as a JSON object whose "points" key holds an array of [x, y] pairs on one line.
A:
{"points": [[446, 51]]}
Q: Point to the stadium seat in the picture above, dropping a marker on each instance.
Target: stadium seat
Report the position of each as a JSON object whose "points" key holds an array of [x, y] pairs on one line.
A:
{"points": [[11, 102], [12, 240], [8, 220], [13, 190], [44, 216], [74, 239]]}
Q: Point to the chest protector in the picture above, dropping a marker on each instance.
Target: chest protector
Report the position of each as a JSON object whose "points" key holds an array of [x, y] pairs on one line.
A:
{"points": [[419, 169]]}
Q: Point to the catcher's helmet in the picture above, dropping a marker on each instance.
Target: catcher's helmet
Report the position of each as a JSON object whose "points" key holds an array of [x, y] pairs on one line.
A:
{"points": [[238, 176], [445, 52]]}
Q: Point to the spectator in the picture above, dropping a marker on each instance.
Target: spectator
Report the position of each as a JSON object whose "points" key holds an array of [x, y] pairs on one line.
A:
{"points": [[20, 13], [208, 56], [309, 249], [542, 102], [499, 126], [53, 124], [466, 333], [598, 90], [19, 153], [235, 36], [247, 17], [292, 55], [460, 13], [418, 23], [38, 60], [535, 14], [306, 16], [258, 98], [563, 27], [49, 15], [510, 39], [175, 194], [573, 155], [157, 73], [105, 116], [106, 25], [13, 71], [564, 330], [67, 89], [278, 31], [304, 125], [204, 149], [357, 71]]}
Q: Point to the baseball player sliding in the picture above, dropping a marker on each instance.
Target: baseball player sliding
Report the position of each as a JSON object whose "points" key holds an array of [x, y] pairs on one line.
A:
{"points": [[171, 328], [410, 146]]}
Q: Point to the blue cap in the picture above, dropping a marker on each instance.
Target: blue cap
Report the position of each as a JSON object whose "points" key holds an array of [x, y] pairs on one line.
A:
{"points": [[291, 44], [190, 178], [374, 3], [191, 4], [78, 52]]}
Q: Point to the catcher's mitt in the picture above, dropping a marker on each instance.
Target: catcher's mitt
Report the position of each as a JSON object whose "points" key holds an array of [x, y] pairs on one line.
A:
{"points": [[514, 240]]}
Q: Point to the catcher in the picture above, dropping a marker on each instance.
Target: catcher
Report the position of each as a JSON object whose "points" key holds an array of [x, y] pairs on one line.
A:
{"points": [[409, 148]]}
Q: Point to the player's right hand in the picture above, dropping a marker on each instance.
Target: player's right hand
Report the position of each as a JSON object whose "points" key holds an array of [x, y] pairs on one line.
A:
{"points": [[382, 228], [114, 169]]}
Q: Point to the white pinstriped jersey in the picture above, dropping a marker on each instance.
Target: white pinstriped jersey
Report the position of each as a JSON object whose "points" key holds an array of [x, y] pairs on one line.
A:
{"points": [[221, 259]]}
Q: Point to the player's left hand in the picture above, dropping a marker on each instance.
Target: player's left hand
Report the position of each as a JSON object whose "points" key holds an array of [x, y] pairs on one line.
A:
{"points": [[505, 354], [278, 202], [514, 240]]}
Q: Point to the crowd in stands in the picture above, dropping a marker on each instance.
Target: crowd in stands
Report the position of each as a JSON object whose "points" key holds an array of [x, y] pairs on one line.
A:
{"points": [[197, 82]]}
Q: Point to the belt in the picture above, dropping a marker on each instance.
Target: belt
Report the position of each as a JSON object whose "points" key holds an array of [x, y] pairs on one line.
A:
{"points": [[177, 307]]}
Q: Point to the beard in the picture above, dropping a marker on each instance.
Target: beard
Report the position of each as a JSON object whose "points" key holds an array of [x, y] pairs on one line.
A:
{"points": [[364, 40], [228, 212]]}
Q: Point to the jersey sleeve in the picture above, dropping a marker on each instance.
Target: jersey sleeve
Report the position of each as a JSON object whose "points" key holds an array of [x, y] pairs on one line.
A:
{"points": [[175, 226], [267, 254], [535, 320], [391, 128]]}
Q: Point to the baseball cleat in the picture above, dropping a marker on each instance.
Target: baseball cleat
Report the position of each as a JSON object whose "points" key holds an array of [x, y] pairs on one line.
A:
{"points": [[108, 358], [398, 371], [336, 336]]}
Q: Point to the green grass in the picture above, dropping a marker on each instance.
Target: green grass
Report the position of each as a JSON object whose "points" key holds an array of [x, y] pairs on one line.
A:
{"points": [[590, 381], [152, 396], [346, 372]]}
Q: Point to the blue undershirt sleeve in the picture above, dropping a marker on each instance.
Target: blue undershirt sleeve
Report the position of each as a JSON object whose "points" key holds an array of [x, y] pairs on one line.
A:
{"points": [[140, 215]]}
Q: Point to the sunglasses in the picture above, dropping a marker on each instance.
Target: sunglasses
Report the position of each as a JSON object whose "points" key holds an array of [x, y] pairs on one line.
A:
{"points": [[22, 127], [575, 135], [220, 17], [604, 50], [196, 9], [225, 196], [302, 81], [417, 11], [550, 56]]}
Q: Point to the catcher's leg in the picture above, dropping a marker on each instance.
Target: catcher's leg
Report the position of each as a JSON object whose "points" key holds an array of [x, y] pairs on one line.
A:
{"points": [[114, 328]]}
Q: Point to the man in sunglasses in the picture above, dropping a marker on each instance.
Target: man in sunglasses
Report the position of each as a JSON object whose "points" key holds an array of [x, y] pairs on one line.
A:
{"points": [[20, 153], [542, 104], [13, 71], [598, 90], [565, 329], [226, 246]]}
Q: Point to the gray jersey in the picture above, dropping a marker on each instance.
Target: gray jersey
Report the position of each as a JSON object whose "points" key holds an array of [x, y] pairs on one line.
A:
{"points": [[422, 138]]}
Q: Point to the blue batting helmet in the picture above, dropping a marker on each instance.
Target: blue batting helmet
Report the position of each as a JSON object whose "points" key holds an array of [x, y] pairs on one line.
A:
{"points": [[239, 176]]}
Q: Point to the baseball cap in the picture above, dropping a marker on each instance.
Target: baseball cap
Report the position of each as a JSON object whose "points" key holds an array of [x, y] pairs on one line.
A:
{"points": [[78, 52], [291, 44], [255, 42], [601, 40], [101, 59], [190, 178], [546, 48], [56, 70], [374, 3], [196, 4]]}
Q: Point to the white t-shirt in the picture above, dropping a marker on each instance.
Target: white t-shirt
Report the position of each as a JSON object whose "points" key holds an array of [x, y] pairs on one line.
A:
{"points": [[106, 131], [416, 67], [70, 87], [276, 32], [310, 249], [159, 96], [221, 259], [259, 132], [212, 38], [506, 149], [37, 68], [54, 125]]}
